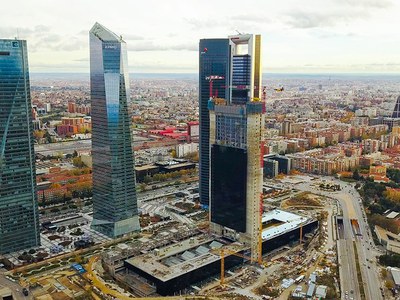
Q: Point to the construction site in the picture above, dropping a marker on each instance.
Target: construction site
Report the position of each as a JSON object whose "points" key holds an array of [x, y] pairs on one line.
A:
{"points": [[183, 261]]}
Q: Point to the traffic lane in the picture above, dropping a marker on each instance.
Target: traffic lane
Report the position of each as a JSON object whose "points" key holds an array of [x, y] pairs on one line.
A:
{"points": [[15, 288], [348, 279]]}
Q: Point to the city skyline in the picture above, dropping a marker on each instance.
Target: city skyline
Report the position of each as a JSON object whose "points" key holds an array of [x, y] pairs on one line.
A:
{"points": [[339, 36]]}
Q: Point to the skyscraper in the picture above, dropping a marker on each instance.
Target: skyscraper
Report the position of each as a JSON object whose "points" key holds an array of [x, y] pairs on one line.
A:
{"points": [[396, 110], [114, 195], [236, 176], [231, 163], [235, 61], [19, 223]]}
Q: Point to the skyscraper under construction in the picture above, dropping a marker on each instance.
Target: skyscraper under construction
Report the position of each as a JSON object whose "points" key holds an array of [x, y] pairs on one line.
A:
{"points": [[233, 152], [235, 64]]}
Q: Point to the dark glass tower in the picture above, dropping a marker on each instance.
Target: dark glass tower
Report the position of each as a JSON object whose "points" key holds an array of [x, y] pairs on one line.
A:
{"points": [[114, 195], [214, 59], [19, 223], [235, 63]]}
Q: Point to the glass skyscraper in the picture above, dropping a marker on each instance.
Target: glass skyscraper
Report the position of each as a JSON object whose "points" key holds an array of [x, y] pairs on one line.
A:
{"points": [[214, 59], [114, 195], [19, 223], [236, 61]]}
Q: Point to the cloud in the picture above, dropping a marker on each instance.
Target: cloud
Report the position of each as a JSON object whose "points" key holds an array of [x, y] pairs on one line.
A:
{"points": [[83, 59], [252, 18], [343, 11], [204, 23], [41, 37], [232, 22], [151, 46], [23, 32], [309, 19], [132, 37], [368, 3]]}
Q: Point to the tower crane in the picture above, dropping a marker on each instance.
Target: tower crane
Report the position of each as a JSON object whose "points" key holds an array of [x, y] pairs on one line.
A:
{"points": [[259, 261], [211, 79], [227, 251]]}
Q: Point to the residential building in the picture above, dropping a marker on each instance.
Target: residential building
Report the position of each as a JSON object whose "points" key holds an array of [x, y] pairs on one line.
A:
{"points": [[115, 210], [270, 168], [19, 221], [71, 126], [185, 149]]}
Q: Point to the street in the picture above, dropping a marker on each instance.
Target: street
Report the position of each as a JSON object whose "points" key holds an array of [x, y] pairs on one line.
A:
{"points": [[15, 288], [350, 203]]}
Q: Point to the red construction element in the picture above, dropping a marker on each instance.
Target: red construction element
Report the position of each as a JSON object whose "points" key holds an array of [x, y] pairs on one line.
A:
{"points": [[211, 79]]}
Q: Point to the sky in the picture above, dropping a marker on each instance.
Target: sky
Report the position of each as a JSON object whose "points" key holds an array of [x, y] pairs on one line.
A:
{"points": [[307, 36]]}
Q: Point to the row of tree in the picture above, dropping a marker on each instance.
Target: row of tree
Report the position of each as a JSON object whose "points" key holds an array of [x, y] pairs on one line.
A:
{"points": [[160, 177]]}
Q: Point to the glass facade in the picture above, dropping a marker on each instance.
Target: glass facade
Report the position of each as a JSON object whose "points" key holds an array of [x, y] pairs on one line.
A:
{"points": [[396, 110], [19, 223], [214, 59], [115, 210], [229, 187], [241, 75], [231, 130]]}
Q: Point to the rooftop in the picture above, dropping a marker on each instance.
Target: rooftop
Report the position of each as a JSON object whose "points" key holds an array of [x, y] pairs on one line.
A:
{"points": [[178, 258], [277, 222], [396, 275], [104, 34]]}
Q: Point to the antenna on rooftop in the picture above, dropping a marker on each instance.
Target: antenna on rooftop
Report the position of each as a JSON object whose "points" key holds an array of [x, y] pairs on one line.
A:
{"points": [[238, 31], [17, 37]]}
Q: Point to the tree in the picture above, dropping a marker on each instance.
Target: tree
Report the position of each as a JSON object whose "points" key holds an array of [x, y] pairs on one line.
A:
{"points": [[48, 137], [55, 185], [77, 162], [356, 175], [389, 284], [38, 134], [173, 153], [394, 174], [141, 187], [147, 179]]}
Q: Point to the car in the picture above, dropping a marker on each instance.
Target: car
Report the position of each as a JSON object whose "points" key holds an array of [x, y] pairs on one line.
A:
{"points": [[25, 291]]}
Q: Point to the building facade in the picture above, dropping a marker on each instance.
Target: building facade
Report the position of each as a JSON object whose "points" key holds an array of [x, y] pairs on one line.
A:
{"points": [[19, 222], [235, 65], [270, 168], [115, 210], [236, 136]]}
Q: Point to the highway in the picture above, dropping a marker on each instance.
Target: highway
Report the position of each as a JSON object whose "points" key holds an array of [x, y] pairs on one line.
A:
{"points": [[70, 146], [366, 249], [350, 203], [63, 147]]}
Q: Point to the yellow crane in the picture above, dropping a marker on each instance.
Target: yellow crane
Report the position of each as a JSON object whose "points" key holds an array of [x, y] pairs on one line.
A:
{"points": [[222, 255]]}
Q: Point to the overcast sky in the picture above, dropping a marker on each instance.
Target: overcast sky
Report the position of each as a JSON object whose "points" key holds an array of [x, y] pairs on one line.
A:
{"points": [[307, 36]]}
